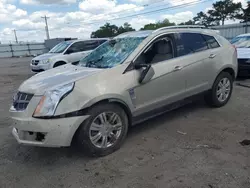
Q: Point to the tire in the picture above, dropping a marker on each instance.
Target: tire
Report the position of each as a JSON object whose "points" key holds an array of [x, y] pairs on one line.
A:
{"points": [[59, 63], [86, 132], [213, 98]]}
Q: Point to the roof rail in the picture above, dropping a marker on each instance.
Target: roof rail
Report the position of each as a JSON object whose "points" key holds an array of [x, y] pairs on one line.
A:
{"points": [[182, 27]]}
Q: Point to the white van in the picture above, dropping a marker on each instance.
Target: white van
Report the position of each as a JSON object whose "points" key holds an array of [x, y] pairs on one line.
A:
{"points": [[65, 52]]}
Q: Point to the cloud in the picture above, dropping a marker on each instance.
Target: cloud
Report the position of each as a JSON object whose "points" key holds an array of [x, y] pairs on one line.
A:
{"points": [[178, 2], [145, 1], [139, 22], [106, 6], [9, 12], [34, 2], [179, 17]]}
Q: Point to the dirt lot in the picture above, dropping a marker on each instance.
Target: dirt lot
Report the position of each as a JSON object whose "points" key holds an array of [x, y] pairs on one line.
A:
{"points": [[194, 146]]}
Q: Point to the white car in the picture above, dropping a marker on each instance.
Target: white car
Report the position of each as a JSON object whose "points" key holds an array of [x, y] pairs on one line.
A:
{"points": [[65, 52], [242, 43]]}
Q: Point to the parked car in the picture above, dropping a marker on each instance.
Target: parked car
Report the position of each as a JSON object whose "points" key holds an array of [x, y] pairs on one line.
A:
{"points": [[65, 52], [242, 43], [133, 77]]}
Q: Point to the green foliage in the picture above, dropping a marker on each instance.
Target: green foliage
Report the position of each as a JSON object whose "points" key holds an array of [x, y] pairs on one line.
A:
{"points": [[153, 26], [109, 30], [245, 14], [224, 10], [190, 22]]}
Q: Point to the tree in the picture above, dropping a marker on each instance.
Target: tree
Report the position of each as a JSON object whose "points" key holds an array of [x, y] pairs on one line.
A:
{"points": [[224, 10], [201, 19], [125, 28], [190, 22], [109, 30], [245, 14], [153, 26]]}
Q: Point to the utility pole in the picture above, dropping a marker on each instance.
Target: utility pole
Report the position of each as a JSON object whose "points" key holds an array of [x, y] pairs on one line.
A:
{"points": [[46, 26], [15, 36]]}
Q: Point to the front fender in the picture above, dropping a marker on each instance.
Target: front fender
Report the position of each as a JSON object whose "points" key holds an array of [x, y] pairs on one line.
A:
{"points": [[53, 61], [111, 98]]}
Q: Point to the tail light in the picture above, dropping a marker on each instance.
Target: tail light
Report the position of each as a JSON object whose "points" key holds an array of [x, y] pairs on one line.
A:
{"points": [[235, 49]]}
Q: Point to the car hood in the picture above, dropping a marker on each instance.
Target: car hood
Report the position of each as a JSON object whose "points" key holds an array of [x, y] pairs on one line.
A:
{"points": [[45, 56], [44, 81], [243, 53]]}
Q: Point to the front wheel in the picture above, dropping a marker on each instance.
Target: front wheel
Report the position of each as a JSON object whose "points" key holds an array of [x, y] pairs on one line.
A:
{"points": [[104, 131], [221, 91]]}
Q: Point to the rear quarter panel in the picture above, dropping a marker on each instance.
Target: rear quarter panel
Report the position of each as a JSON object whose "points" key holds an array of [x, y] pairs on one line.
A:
{"points": [[226, 58]]}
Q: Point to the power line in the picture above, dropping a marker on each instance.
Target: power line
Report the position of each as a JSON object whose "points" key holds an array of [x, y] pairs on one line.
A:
{"points": [[131, 9], [46, 26], [133, 15], [144, 5], [149, 12]]}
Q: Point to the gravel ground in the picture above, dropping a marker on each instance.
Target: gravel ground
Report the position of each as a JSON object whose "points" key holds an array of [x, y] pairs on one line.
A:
{"points": [[194, 146]]}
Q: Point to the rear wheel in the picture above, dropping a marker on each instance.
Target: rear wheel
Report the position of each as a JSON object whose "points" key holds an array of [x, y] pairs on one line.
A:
{"points": [[104, 131], [221, 91]]}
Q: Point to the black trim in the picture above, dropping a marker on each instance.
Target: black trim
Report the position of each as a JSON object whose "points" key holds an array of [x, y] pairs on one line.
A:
{"points": [[129, 67], [81, 112], [38, 70], [166, 108]]}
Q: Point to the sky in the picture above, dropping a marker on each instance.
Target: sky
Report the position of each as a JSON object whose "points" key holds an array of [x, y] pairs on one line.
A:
{"points": [[78, 18]]}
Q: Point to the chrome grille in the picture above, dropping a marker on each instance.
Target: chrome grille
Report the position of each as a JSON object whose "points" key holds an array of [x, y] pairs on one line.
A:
{"points": [[21, 101]]}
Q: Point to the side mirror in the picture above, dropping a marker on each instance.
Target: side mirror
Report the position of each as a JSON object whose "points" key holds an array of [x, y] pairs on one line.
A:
{"points": [[69, 51], [146, 74]]}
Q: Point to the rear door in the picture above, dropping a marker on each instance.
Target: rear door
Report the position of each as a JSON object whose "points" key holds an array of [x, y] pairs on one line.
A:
{"points": [[193, 49], [214, 56]]}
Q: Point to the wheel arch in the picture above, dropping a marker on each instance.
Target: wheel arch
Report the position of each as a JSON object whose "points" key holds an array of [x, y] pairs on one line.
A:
{"points": [[61, 62], [118, 102], [229, 69]]}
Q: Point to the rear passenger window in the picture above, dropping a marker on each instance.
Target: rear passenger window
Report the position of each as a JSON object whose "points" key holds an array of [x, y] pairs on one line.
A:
{"points": [[188, 43], [212, 43], [91, 45]]}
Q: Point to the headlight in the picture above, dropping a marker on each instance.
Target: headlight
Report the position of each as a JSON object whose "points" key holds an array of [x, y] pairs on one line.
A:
{"points": [[50, 100], [45, 61]]}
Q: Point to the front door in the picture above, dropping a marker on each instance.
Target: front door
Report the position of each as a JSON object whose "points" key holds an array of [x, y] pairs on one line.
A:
{"points": [[168, 83], [75, 52]]}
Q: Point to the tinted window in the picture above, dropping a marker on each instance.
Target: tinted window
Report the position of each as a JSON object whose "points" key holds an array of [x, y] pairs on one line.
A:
{"points": [[211, 41], [77, 47], [190, 43], [91, 45]]}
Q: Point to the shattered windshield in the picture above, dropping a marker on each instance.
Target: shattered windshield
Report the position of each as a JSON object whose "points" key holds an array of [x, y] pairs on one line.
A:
{"points": [[241, 42], [59, 48], [111, 53]]}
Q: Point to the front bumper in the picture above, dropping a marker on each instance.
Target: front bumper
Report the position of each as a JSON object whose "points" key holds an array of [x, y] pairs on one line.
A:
{"points": [[39, 67], [243, 67], [46, 132]]}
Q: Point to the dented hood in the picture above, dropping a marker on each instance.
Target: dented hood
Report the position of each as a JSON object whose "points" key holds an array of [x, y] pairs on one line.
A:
{"points": [[44, 81]]}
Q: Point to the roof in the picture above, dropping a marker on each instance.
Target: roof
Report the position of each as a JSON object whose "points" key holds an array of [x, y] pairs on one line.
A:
{"points": [[184, 28], [80, 40], [143, 33]]}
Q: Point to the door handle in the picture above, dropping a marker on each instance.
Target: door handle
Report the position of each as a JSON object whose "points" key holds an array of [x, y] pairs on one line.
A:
{"points": [[177, 68], [212, 56]]}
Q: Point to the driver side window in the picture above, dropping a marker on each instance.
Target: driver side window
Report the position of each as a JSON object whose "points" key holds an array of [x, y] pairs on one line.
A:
{"points": [[76, 47], [159, 50]]}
